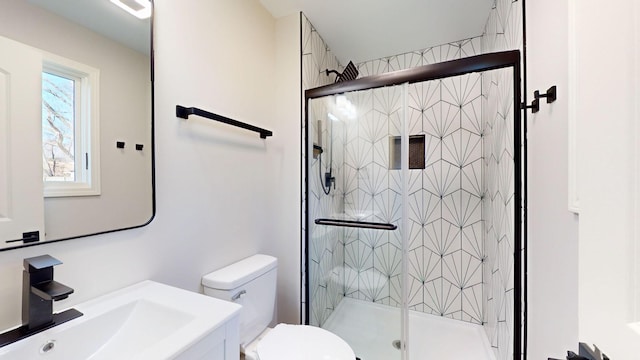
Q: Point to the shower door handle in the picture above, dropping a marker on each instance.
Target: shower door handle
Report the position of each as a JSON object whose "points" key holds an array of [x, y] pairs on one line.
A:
{"points": [[356, 224]]}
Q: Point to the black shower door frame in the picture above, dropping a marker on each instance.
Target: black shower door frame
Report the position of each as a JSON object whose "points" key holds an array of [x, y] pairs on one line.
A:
{"points": [[472, 64]]}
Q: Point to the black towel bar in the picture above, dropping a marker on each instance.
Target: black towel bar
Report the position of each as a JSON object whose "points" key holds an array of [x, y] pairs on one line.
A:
{"points": [[356, 224], [184, 112]]}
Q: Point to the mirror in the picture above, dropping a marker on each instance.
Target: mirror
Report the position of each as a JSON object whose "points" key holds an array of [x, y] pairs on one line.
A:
{"points": [[97, 177]]}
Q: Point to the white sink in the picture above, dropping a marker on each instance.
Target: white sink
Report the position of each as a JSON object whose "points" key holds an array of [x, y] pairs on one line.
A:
{"points": [[148, 320]]}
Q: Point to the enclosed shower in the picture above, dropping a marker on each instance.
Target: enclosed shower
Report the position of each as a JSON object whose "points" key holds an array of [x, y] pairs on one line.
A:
{"points": [[413, 211]]}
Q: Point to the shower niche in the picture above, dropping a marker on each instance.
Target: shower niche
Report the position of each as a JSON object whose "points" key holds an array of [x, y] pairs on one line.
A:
{"points": [[436, 153], [417, 152]]}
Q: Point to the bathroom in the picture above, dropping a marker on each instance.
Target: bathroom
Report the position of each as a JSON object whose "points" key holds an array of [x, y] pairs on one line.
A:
{"points": [[222, 195]]}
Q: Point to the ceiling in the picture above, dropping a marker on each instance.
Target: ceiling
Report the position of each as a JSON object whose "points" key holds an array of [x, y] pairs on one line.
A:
{"points": [[355, 30], [104, 18], [361, 30]]}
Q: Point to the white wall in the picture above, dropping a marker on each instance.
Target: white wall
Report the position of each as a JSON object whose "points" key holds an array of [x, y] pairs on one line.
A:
{"points": [[218, 188], [553, 241], [607, 100], [581, 287], [284, 231]]}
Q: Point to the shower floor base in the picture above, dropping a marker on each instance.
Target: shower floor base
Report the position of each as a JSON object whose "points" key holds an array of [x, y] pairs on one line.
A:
{"points": [[370, 329]]}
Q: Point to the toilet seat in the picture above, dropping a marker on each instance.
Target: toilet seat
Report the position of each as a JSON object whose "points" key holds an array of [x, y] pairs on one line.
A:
{"points": [[295, 342]]}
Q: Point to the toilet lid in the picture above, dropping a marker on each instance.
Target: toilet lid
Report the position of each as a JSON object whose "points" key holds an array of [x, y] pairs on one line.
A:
{"points": [[295, 342]]}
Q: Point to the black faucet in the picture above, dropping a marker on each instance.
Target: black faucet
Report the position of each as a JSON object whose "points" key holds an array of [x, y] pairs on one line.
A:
{"points": [[39, 291]]}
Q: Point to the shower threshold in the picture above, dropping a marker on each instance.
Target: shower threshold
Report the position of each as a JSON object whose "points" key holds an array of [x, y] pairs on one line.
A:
{"points": [[373, 331]]}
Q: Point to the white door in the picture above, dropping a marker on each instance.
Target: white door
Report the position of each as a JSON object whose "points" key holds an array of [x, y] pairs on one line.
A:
{"points": [[21, 200]]}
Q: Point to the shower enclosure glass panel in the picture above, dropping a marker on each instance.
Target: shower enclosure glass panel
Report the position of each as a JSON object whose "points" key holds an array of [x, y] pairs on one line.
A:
{"points": [[461, 206], [440, 159], [353, 269]]}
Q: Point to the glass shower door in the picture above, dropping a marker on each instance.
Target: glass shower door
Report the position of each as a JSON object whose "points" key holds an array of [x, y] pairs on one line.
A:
{"points": [[441, 160], [355, 199], [462, 225]]}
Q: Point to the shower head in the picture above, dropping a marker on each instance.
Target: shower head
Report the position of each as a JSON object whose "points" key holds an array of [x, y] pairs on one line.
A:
{"points": [[350, 73]]}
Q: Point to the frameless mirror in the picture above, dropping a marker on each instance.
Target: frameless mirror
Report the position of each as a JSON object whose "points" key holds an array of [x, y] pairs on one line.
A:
{"points": [[93, 157]]}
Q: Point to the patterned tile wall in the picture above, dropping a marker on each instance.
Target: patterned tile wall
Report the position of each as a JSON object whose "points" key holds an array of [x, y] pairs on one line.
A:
{"points": [[432, 55], [445, 212], [446, 250], [372, 192], [325, 244], [498, 208], [503, 31], [461, 236]]}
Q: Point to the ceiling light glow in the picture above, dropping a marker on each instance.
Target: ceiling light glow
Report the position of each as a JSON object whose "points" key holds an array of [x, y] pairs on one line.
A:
{"points": [[138, 8], [345, 107]]}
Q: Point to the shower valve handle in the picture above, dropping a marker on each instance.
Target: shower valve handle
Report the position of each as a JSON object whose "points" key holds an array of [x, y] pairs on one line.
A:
{"points": [[328, 180]]}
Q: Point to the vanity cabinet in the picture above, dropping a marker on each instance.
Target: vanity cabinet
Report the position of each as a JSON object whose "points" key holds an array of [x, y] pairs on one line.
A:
{"points": [[223, 343]]}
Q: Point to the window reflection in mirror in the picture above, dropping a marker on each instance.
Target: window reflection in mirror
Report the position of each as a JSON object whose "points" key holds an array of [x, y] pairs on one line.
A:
{"points": [[70, 128], [58, 127], [111, 186]]}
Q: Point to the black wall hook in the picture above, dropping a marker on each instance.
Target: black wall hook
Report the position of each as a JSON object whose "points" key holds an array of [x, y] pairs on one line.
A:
{"points": [[535, 106], [551, 96]]}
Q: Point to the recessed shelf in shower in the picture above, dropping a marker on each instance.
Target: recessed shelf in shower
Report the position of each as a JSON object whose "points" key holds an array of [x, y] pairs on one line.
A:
{"points": [[416, 152]]}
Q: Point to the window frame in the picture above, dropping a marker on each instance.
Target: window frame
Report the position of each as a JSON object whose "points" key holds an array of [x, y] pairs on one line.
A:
{"points": [[86, 127]]}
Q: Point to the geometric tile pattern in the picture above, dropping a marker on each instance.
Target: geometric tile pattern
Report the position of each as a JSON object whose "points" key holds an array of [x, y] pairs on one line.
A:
{"points": [[498, 208], [432, 55], [325, 243], [503, 31], [444, 274], [446, 249], [460, 206], [372, 192]]}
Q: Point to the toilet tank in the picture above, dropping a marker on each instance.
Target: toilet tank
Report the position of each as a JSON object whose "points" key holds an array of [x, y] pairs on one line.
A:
{"points": [[250, 282]]}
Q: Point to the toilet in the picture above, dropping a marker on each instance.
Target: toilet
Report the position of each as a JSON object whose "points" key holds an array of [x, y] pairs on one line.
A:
{"points": [[252, 283]]}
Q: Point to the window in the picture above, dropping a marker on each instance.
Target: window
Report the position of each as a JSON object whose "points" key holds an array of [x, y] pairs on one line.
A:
{"points": [[58, 120], [70, 131]]}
